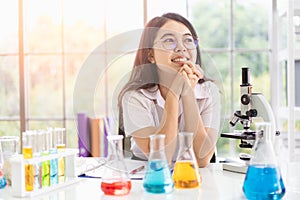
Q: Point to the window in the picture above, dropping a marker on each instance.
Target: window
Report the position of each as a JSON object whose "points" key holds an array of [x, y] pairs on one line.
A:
{"points": [[233, 34], [60, 39]]}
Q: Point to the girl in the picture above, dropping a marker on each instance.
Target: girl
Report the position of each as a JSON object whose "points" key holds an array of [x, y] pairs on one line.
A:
{"points": [[168, 93]]}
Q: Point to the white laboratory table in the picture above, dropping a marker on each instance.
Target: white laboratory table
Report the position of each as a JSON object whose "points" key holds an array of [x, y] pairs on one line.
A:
{"points": [[216, 184]]}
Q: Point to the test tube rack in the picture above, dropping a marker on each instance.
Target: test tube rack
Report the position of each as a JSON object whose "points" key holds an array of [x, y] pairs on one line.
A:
{"points": [[18, 173]]}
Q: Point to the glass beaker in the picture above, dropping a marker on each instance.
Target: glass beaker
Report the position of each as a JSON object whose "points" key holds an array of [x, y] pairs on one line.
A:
{"points": [[115, 179], [2, 179], [263, 178], [158, 175], [186, 172], [10, 147]]}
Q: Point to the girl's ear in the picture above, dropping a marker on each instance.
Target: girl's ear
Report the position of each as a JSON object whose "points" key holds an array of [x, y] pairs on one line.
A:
{"points": [[151, 56]]}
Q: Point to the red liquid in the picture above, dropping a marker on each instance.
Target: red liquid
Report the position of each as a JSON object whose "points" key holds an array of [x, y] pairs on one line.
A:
{"points": [[116, 188]]}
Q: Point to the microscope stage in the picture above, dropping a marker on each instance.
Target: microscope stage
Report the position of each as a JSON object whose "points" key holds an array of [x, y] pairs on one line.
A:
{"points": [[246, 135]]}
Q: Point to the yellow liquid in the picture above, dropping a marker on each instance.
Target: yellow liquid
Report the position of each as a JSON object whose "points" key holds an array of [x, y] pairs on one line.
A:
{"points": [[61, 163], [29, 169], [29, 177], [61, 170], [61, 147], [186, 175], [27, 152]]}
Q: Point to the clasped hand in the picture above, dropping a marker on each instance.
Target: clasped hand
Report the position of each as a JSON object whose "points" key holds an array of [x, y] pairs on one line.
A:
{"points": [[191, 73], [181, 81]]}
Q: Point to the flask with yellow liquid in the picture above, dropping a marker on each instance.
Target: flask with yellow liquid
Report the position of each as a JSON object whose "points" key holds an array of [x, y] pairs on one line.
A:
{"points": [[186, 171]]}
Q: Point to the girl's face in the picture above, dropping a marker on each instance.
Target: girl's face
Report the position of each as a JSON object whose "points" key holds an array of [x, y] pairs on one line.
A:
{"points": [[174, 46]]}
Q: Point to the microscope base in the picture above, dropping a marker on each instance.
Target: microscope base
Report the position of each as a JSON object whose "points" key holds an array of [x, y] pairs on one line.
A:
{"points": [[235, 167]]}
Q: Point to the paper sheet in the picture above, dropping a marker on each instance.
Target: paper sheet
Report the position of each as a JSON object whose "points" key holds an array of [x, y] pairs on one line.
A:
{"points": [[94, 167]]}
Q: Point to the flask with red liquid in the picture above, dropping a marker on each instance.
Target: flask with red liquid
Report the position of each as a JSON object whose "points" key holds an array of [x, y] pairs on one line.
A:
{"points": [[115, 179]]}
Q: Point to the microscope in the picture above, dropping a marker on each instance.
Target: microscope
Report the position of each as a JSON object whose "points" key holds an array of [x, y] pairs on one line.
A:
{"points": [[253, 106]]}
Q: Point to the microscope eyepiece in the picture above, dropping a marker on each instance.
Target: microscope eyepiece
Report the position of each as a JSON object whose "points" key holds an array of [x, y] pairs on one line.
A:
{"points": [[245, 76]]}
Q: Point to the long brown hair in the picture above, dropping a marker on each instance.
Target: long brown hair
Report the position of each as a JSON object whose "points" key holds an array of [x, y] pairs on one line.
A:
{"points": [[144, 73]]}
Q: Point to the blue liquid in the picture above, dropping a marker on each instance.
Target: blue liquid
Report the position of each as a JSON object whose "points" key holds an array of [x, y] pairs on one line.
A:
{"points": [[263, 182], [158, 178], [53, 169], [37, 175], [2, 182]]}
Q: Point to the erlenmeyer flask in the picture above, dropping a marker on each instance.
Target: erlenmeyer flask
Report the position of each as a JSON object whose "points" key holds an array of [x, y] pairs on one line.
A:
{"points": [[115, 179], [186, 172], [158, 175], [263, 179]]}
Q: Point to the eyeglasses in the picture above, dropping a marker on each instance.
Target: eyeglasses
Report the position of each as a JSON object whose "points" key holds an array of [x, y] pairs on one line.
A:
{"points": [[170, 42]]}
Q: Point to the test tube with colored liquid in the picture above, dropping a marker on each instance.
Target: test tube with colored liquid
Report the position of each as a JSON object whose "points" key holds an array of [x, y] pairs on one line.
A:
{"points": [[46, 163], [53, 162], [27, 150], [37, 153], [61, 146]]}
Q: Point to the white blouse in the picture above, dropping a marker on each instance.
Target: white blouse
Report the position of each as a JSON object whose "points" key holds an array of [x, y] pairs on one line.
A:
{"points": [[144, 108]]}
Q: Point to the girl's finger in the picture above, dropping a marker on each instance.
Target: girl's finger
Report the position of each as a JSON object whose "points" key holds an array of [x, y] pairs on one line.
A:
{"points": [[193, 76], [198, 74], [200, 70], [187, 69]]}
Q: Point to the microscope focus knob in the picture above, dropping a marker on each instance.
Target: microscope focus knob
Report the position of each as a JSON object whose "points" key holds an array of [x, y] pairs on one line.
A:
{"points": [[245, 99], [251, 113]]}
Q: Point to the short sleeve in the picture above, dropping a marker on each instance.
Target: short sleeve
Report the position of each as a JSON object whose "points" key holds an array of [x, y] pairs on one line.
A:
{"points": [[138, 111], [210, 108]]}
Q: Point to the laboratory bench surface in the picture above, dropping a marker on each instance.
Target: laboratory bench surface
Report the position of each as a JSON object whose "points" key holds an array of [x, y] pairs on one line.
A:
{"points": [[216, 184]]}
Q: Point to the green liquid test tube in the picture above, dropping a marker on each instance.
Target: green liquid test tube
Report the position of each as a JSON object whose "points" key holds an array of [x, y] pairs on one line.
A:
{"points": [[46, 163]]}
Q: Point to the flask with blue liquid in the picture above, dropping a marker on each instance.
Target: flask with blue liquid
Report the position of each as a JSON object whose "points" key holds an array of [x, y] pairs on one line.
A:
{"points": [[263, 178], [158, 178]]}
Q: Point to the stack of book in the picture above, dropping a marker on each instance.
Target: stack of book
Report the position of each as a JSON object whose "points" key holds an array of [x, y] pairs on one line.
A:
{"points": [[92, 132]]}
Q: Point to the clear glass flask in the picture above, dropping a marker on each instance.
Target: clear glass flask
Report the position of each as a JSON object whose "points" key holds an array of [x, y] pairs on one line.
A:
{"points": [[263, 178], [186, 172], [115, 179], [158, 177]]}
